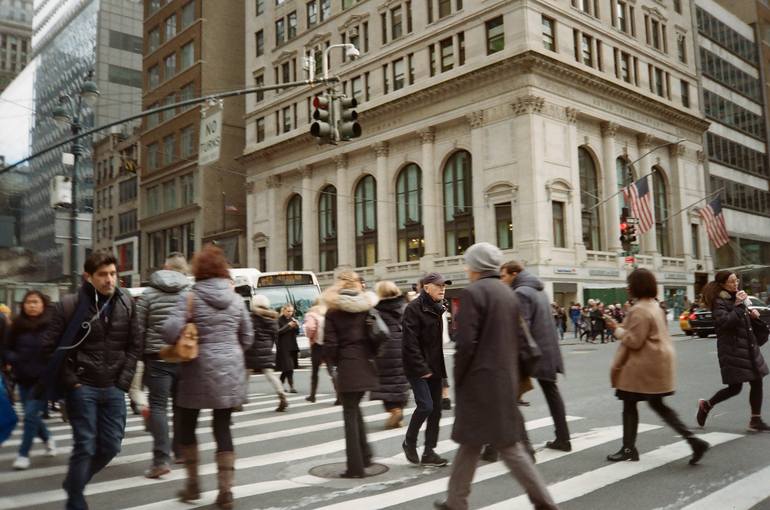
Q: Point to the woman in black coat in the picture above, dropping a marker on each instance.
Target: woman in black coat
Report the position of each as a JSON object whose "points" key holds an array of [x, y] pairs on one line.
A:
{"points": [[286, 349], [24, 344], [260, 357], [394, 387], [346, 346], [740, 359]]}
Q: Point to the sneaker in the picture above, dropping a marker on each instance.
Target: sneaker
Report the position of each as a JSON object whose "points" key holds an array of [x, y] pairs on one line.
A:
{"points": [[21, 463], [564, 446], [50, 447], [157, 471], [410, 451], [703, 411], [757, 425], [431, 458]]}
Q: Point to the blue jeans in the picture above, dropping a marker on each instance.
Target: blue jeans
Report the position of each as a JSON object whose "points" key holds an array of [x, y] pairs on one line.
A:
{"points": [[427, 396], [161, 378], [33, 421], [98, 419]]}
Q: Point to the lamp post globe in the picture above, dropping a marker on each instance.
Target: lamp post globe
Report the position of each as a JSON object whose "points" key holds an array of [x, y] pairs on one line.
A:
{"points": [[89, 92], [61, 116]]}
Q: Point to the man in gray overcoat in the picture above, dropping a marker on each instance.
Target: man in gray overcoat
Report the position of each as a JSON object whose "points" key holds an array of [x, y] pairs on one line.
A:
{"points": [[486, 382]]}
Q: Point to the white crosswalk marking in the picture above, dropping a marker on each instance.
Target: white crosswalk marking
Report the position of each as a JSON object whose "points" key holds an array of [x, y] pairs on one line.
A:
{"points": [[740, 495]]}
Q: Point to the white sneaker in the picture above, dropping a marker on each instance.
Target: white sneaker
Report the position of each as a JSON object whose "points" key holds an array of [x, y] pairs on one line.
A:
{"points": [[21, 463], [50, 447]]}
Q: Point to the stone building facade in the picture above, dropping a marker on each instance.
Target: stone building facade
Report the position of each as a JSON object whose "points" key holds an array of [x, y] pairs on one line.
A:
{"points": [[506, 122]]}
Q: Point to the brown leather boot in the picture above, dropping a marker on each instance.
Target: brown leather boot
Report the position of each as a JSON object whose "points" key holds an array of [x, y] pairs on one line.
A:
{"points": [[191, 490], [225, 475], [394, 420]]}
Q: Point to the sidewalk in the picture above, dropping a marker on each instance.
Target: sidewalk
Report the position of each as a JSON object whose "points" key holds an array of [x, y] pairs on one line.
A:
{"points": [[673, 329]]}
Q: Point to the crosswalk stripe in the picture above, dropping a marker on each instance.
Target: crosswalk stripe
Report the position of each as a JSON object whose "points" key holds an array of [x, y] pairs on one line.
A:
{"points": [[140, 457], [591, 481], [256, 489], [580, 442], [740, 495]]}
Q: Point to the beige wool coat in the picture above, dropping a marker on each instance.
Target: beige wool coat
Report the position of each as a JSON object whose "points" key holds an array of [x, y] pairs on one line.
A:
{"points": [[645, 360]]}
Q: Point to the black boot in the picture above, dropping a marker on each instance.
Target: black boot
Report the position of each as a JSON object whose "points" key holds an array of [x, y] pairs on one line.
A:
{"points": [[624, 454], [489, 454], [699, 447]]}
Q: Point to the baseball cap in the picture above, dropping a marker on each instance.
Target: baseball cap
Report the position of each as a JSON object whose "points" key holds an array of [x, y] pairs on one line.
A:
{"points": [[435, 278]]}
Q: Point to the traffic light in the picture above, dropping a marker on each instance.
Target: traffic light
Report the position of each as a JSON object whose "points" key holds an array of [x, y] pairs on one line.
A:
{"points": [[625, 240], [322, 128], [347, 124], [632, 236]]}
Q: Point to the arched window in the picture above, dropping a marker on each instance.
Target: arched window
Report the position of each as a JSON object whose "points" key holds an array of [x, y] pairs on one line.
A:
{"points": [[589, 197], [327, 228], [294, 234], [661, 212], [625, 176], [410, 234], [458, 204], [366, 222]]}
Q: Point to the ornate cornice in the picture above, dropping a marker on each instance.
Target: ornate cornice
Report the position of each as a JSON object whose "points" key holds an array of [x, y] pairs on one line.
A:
{"points": [[644, 140], [284, 56], [306, 171], [677, 151], [528, 104], [318, 38], [609, 129], [427, 135], [341, 161], [571, 114], [353, 21], [273, 181], [475, 119], [381, 149], [701, 156]]}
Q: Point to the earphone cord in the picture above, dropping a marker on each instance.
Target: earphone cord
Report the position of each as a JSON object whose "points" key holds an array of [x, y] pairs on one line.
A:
{"points": [[87, 326]]}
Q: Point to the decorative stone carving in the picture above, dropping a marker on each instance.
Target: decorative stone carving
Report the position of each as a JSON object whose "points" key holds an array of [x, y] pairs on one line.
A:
{"points": [[318, 38], [701, 157], [677, 151], [274, 181], [644, 140], [250, 187], [381, 149], [284, 56], [427, 135], [341, 160], [353, 21], [528, 104], [609, 129], [571, 114], [260, 238], [475, 119], [306, 171]]}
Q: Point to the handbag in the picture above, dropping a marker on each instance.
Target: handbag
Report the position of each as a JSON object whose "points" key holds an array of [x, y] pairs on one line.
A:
{"points": [[761, 331], [377, 332], [186, 346], [529, 352], [8, 418]]}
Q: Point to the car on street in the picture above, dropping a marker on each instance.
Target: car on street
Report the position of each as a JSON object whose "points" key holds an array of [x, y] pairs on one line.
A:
{"points": [[702, 322], [684, 322]]}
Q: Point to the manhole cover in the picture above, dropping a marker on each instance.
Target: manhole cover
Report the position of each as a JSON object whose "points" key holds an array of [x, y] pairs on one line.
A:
{"points": [[336, 469]]}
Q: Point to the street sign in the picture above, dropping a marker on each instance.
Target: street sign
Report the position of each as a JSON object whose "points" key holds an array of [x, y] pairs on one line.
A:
{"points": [[211, 134], [630, 260], [632, 221]]}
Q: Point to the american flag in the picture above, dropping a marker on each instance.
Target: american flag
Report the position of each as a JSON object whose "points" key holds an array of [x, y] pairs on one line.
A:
{"points": [[715, 222], [639, 198]]}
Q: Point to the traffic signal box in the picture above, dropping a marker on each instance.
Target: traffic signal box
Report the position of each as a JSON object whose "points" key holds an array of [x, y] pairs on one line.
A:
{"points": [[334, 119], [322, 127], [628, 235]]}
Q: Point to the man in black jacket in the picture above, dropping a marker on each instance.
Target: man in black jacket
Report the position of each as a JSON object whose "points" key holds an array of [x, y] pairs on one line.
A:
{"points": [[424, 367], [96, 332]]}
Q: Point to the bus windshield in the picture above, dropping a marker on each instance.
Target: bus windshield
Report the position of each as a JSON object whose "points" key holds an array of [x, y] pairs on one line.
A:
{"points": [[303, 295], [278, 296]]}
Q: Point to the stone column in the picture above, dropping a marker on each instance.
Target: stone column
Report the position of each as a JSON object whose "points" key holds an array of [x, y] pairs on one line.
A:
{"points": [[644, 141], [680, 225], [345, 233], [386, 217], [309, 220], [575, 206], [483, 216], [276, 247], [431, 213], [610, 211]]}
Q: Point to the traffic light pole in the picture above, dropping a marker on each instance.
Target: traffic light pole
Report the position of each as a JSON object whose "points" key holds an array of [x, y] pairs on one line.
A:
{"points": [[189, 102]]}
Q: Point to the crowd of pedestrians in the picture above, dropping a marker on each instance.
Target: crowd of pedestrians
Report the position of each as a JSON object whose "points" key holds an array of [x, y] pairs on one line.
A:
{"points": [[198, 343]]}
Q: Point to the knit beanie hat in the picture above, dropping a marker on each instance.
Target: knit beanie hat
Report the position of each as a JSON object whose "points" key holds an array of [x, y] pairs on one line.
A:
{"points": [[484, 257]]}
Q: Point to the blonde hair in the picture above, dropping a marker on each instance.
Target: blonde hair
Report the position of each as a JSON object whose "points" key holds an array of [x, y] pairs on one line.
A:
{"points": [[348, 280], [386, 289]]}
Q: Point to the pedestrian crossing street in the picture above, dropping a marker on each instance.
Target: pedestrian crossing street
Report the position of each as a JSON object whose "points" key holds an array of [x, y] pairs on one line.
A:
{"points": [[275, 452]]}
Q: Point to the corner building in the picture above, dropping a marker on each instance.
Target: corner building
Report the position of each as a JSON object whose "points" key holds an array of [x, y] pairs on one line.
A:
{"points": [[504, 122]]}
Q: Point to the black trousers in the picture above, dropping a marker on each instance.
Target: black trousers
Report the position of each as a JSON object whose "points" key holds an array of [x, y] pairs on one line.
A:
{"points": [[316, 358], [556, 407], [631, 419], [188, 421], [357, 449], [755, 395]]}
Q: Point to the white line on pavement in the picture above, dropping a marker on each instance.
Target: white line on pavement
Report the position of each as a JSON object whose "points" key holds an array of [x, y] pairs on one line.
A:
{"points": [[741, 495]]}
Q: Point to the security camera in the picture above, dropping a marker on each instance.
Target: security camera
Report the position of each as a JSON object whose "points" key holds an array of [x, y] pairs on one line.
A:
{"points": [[352, 52]]}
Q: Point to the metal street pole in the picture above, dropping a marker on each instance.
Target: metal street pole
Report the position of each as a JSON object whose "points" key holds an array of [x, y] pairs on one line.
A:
{"points": [[74, 241]]}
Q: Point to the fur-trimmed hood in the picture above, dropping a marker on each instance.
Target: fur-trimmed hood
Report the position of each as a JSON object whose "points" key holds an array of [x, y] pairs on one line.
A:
{"points": [[723, 294], [266, 313], [347, 300]]}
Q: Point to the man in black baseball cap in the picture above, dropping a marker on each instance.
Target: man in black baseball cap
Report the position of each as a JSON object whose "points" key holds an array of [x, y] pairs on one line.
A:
{"points": [[423, 355]]}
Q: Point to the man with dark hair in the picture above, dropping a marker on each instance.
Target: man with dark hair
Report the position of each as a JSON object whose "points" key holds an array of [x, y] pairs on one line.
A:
{"points": [[535, 309], [153, 307], [93, 345]]}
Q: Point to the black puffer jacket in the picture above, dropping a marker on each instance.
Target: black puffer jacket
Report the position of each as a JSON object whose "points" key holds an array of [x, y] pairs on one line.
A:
{"points": [[260, 355], [740, 359], [423, 346], [390, 364], [107, 357], [24, 347]]}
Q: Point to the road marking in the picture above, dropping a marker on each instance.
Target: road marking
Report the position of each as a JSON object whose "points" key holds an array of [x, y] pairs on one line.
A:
{"points": [[580, 442], [741, 495], [599, 478], [259, 488]]}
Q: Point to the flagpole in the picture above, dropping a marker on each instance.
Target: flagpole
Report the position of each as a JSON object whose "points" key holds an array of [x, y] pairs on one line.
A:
{"points": [[627, 165], [692, 205]]}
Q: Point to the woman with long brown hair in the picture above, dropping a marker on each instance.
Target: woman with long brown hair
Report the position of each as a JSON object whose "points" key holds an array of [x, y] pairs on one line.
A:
{"points": [[740, 360]]}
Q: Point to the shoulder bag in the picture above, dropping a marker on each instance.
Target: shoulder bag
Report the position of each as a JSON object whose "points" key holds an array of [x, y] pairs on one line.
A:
{"points": [[377, 332], [529, 352], [186, 346], [760, 329]]}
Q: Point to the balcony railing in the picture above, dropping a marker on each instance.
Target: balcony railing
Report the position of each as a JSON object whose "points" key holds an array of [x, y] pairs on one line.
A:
{"points": [[444, 262], [672, 263], [601, 256]]}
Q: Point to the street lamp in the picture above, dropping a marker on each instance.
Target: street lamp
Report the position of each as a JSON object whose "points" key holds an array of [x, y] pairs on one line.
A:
{"points": [[350, 51], [69, 112]]}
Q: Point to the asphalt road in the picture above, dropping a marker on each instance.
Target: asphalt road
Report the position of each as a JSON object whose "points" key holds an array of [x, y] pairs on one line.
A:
{"points": [[277, 451]]}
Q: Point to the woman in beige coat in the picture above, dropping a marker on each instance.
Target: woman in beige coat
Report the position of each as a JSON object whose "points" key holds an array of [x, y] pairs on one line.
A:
{"points": [[643, 368]]}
